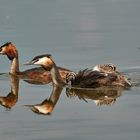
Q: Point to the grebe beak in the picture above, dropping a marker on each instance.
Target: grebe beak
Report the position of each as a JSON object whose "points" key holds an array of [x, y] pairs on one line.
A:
{"points": [[30, 63]]}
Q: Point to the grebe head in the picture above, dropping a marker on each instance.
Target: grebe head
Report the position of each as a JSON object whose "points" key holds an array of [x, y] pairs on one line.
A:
{"points": [[9, 50], [43, 60], [107, 68], [70, 76], [43, 108]]}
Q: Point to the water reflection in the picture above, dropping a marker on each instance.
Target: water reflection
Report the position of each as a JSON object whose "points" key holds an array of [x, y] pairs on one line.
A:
{"points": [[47, 106], [11, 99], [101, 96]]}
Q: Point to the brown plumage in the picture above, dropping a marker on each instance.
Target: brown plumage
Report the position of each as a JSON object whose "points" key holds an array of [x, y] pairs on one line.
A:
{"points": [[107, 68], [37, 75], [85, 78], [48, 64], [92, 79]]}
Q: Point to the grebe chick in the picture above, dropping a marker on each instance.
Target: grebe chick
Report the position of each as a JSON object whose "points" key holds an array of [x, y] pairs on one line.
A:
{"points": [[107, 68], [37, 74], [47, 63], [94, 79], [11, 99]]}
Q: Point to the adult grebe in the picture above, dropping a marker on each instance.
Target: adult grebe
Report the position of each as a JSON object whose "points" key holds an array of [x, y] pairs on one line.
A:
{"points": [[47, 63], [38, 74], [89, 78]]}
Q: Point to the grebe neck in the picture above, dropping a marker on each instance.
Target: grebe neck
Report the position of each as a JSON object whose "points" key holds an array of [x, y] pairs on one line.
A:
{"points": [[56, 78], [14, 65], [55, 94]]}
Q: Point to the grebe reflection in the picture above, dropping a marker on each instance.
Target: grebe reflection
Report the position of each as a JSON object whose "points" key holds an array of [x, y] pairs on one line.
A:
{"points": [[11, 99], [101, 96], [47, 106]]}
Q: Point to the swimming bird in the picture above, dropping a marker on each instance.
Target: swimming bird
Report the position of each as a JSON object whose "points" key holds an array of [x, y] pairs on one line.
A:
{"points": [[93, 79], [47, 63], [37, 75], [106, 68]]}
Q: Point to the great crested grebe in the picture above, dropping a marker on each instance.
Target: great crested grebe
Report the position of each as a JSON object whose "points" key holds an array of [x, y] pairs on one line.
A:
{"points": [[89, 78], [47, 63], [38, 74], [85, 78], [107, 68]]}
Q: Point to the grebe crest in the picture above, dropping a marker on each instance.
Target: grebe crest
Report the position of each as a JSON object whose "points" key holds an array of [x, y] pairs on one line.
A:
{"points": [[106, 68], [9, 50]]}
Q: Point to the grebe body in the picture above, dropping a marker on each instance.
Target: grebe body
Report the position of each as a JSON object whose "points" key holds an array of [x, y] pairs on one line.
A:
{"points": [[106, 68], [48, 64], [37, 74], [93, 79]]}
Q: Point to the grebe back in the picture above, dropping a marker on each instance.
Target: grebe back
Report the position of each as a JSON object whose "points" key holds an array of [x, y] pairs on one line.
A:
{"points": [[94, 79]]}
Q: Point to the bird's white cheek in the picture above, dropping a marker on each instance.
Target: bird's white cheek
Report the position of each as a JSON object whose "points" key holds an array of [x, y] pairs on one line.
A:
{"points": [[41, 61], [96, 68]]}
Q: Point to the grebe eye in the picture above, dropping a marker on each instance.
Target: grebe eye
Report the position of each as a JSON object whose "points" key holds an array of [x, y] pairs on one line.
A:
{"points": [[36, 60]]}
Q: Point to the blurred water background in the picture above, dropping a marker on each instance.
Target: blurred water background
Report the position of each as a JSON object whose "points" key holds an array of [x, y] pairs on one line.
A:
{"points": [[78, 34]]}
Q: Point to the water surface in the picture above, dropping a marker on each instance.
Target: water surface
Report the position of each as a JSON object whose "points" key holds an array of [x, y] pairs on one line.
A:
{"points": [[78, 34]]}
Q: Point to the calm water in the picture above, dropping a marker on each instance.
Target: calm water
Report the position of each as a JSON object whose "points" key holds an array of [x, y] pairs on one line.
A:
{"points": [[78, 34]]}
